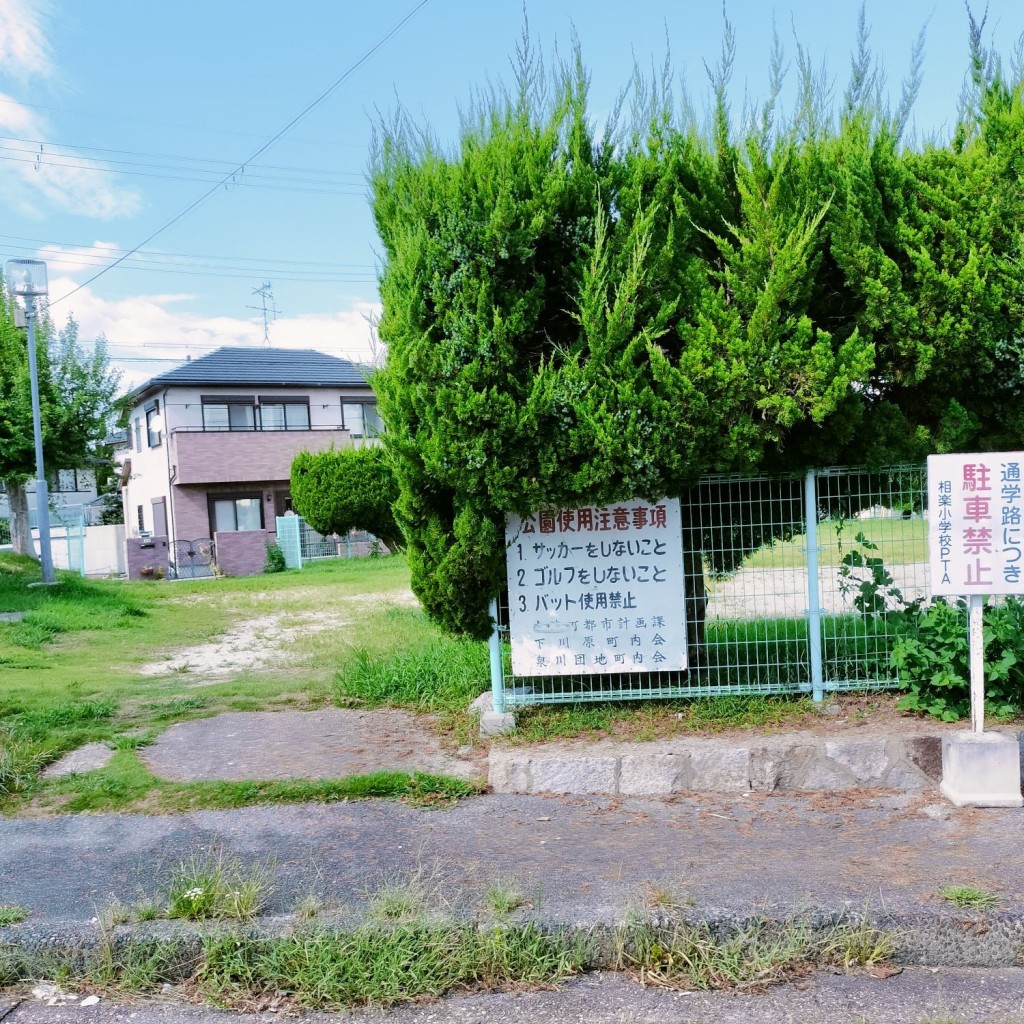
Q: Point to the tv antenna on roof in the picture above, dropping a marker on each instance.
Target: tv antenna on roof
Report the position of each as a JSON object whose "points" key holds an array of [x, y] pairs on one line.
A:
{"points": [[268, 309]]}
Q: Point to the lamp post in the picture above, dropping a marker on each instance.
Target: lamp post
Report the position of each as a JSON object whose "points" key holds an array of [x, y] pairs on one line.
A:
{"points": [[26, 279]]}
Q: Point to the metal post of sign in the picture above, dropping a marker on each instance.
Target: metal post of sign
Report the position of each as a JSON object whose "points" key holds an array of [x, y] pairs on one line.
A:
{"points": [[494, 647], [813, 596], [977, 659]]}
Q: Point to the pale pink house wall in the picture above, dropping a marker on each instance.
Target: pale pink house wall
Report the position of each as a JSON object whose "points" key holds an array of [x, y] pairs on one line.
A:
{"points": [[241, 553], [210, 457]]}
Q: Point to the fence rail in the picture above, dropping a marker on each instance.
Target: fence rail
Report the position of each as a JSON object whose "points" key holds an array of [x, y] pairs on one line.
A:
{"points": [[301, 544], [792, 585]]}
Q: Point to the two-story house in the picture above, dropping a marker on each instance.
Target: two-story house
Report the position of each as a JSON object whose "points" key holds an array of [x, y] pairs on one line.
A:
{"points": [[211, 442]]}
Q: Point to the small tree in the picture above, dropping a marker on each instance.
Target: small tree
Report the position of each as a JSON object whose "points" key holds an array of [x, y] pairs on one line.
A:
{"points": [[351, 489], [76, 397]]}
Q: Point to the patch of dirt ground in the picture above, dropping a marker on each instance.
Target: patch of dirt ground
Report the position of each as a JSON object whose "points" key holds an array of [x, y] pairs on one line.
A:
{"points": [[848, 715], [326, 744], [252, 644], [261, 642]]}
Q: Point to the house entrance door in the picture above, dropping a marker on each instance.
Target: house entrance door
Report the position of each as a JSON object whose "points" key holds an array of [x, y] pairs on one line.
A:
{"points": [[159, 517], [282, 502]]}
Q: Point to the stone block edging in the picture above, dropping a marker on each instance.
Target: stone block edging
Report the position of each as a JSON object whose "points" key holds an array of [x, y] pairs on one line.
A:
{"points": [[800, 762]]}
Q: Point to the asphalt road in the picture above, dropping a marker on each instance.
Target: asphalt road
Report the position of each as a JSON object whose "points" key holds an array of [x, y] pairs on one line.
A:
{"points": [[576, 858], [917, 996]]}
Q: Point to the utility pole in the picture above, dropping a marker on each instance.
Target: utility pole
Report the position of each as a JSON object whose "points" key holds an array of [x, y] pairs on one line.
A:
{"points": [[268, 309]]}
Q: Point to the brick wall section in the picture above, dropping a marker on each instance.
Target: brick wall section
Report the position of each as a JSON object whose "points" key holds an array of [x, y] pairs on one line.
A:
{"points": [[191, 515], [208, 457], [154, 557], [241, 553]]}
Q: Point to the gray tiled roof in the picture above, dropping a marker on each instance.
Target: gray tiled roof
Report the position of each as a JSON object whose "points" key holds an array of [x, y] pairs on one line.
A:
{"points": [[266, 367]]}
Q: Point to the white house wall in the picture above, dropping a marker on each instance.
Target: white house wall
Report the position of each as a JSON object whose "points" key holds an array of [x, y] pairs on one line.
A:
{"points": [[149, 478], [184, 405]]}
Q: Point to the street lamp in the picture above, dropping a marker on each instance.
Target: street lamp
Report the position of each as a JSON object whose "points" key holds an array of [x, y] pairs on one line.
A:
{"points": [[26, 279]]}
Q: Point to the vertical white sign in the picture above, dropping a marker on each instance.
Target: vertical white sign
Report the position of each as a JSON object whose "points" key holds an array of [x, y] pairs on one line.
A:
{"points": [[975, 524], [597, 590]]}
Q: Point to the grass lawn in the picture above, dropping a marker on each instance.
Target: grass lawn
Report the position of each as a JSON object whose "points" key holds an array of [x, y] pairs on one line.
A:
{"points": [[72, 674], [900, 542], [76, 669]]}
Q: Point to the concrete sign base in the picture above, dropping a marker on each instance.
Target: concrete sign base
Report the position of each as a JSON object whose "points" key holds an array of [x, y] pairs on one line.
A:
{"points": [[981, 769]]}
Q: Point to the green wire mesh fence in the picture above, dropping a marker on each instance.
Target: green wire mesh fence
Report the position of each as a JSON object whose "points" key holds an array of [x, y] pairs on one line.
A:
{"points": [[792, 584]]}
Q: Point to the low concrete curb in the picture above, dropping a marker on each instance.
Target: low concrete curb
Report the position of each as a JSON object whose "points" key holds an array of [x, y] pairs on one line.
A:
{"points": [[794, 762], [926, 939]]}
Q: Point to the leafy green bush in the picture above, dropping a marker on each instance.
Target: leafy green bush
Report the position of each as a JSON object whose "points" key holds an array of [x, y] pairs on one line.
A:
{"points": [[351, 489], [275, 559], [867, 578], [932, 659], [577, 315]]}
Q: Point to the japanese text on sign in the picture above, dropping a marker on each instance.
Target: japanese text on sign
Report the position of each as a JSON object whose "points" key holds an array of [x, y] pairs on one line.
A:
{"points": [[975, 535], [597, 590]]}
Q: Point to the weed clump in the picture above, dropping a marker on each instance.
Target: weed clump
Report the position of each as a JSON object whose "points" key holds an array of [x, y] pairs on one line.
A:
{"points": [[217, 886]]}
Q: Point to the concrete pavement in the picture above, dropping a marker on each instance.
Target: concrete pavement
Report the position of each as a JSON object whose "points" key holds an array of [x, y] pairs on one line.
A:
{"points": [[577, 860]]}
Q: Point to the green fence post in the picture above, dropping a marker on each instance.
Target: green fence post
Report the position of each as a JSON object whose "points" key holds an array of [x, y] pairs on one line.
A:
{"points": [[813, 595], [494, 648]]}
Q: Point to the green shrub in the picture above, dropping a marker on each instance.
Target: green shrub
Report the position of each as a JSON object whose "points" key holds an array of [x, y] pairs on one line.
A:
{"points": [[275, 559], [351, 489], [932, 659]]}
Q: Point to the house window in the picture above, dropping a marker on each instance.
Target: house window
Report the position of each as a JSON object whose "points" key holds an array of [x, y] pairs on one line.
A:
{"points": [[284, 413], [141, 513], [236, 512], [361, 419], [229, 412], [138, 434], [153, 437]]}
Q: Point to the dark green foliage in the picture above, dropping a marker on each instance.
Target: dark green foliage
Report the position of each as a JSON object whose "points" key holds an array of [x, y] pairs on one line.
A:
{"points": [[275, 559], [76, 400], [578, 317], [352, 489], [866, 576], [932, 659], [76, 393]]}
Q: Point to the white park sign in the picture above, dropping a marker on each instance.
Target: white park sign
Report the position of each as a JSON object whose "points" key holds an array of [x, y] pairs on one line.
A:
{"points": [[597, 590], [976, 550]]}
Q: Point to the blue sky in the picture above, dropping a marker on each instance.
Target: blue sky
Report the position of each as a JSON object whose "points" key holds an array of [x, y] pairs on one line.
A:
{"points": [[115, 115]]}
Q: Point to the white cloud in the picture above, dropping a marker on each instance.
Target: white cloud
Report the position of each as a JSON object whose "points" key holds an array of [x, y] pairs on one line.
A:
{"points": [[144, 326], [62, 259], [24, 50], [35, 178]]}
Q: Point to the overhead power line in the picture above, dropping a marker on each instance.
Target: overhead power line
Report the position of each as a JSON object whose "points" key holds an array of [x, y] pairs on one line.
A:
{"points": [[199, 269], [169, 124], [256, 154], [37, 146], [233, 180], [262, 261]]}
